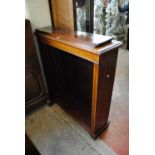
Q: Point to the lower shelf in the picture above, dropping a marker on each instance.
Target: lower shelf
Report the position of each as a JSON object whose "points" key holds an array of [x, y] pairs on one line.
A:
{"points": [[82, 115], [80, 111]]}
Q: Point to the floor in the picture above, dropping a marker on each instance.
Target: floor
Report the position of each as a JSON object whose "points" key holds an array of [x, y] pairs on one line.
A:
{"points": [[55, 133]]}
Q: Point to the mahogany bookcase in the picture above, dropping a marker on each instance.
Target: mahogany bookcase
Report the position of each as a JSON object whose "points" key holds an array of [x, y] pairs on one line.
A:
{"points": [[79, 76]]}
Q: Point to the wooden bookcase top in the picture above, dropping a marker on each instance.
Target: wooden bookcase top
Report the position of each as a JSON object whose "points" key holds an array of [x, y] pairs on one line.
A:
{"points": [[86, 45]]}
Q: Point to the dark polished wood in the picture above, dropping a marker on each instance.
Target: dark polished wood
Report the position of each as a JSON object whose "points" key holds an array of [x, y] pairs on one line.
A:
{"points": [[106, 74], [35, 92], [78, 37], [76, 43], [75, 16], [89, 15], [79, 76]]}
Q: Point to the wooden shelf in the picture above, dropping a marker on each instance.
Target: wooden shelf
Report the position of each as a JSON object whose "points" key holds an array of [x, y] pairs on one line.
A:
{"points": [[79, 110]]}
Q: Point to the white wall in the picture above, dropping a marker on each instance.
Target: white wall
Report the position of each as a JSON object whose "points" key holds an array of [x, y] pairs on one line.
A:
{"points": [[37, 11]]}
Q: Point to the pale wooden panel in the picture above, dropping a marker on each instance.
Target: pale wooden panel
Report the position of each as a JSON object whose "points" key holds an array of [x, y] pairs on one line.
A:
{"points": [[62, 12]]}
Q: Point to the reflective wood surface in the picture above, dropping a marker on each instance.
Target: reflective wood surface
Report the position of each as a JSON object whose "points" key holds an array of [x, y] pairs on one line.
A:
{"points": [[80, 77]]}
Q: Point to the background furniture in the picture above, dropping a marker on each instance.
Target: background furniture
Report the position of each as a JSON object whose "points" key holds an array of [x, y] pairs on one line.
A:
{"points": [[102, 17], [35, 92], [79, 76], [62, 14]]}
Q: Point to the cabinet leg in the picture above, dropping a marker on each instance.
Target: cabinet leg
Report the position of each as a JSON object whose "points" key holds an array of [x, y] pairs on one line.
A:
{"points": [[100, 130]]}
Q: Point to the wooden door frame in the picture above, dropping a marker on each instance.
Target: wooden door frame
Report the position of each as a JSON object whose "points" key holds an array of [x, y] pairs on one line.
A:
{"points": [[89, 15]]}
